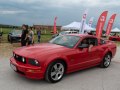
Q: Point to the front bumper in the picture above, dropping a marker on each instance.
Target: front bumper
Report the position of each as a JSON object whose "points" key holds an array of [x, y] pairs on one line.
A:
{"points": [[28, 71], [16, 38]]}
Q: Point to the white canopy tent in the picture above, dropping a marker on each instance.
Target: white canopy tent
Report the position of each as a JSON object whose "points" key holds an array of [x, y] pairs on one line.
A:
{"points": [[115, 30], [76, 26]]}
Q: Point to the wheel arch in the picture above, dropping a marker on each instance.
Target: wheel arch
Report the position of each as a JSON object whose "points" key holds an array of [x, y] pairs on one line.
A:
{"points": [[58, 59], [109, 52], [106, 52]]}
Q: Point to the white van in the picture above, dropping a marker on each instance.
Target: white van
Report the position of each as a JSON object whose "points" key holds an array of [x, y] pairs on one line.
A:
{"points": [[65, 32]]}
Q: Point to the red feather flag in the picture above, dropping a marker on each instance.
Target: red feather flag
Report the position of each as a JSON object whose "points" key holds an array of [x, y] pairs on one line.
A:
{"points": [[55, 30], [110, 24], [101, 23]]}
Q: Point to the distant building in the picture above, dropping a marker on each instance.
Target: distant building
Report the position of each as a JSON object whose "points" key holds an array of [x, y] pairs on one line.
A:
{"points": [[46, 27]]}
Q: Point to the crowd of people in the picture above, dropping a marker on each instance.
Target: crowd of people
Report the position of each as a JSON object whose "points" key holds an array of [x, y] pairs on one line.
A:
{"points": [[27, 37]]}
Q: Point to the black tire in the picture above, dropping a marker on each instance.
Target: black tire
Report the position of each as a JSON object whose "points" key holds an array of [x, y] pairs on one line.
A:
{"points": [[114, 39], [106, 61], [8, 38], [51, 78], [11, 40]]}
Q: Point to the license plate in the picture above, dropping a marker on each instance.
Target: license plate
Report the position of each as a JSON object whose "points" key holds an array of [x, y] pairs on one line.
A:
{"points": [[13, 67]]}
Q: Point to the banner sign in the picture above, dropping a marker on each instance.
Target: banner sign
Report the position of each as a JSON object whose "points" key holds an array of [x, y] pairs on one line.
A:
{"points": [[91, 21], [83, 22], [55, 30], [101, 23], [110, 24]]}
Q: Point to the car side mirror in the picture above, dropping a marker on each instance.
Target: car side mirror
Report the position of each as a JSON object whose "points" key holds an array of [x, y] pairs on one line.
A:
{"points": [[83, 46]]}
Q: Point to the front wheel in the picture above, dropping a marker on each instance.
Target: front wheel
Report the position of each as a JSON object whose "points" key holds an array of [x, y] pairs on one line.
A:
{"points": [[106, 61], [55, 72]]}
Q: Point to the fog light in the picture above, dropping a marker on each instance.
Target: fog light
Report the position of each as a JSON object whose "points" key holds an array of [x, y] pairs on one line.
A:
{"points": [[33, 71]]}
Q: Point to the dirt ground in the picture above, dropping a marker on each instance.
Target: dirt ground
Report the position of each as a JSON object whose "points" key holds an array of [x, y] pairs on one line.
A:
{"points": [[7, 48]]}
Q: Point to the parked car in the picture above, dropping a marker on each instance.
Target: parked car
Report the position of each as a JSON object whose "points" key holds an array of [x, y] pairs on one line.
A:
{"points": [[62, 55], [1, 33], [14, 35], [114, 38], [64, 33]]}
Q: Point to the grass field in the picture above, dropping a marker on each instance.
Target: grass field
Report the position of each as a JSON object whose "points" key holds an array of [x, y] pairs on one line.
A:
{"points": [[44, 37]]}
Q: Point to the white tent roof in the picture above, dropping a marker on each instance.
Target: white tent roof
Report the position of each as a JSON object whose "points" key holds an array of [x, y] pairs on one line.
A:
{"points": [[76, 25], [115, 30]]}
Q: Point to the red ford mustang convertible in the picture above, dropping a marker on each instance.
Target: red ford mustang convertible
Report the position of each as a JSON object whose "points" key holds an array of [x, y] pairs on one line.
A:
{"points": [[62, 55]]}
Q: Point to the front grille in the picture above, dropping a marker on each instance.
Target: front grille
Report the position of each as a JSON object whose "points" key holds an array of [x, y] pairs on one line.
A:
{"points": [[16, 37], [19, 58]]}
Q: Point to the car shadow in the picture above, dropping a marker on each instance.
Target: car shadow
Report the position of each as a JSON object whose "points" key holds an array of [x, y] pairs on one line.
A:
{"points": [[66, 77]]}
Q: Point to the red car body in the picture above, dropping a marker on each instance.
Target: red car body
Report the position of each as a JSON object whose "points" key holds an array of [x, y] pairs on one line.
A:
{"points": [[75, 58], [114, 38]]}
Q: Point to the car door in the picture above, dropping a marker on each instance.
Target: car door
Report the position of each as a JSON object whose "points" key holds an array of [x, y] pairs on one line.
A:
{"points": [[80, 57], [77, 57], [86, 58], [94, 53]]}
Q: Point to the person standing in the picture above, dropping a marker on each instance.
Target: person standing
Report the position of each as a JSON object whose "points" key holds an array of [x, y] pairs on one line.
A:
{"points": [[30, 36], [39, 34], [24, 36]]}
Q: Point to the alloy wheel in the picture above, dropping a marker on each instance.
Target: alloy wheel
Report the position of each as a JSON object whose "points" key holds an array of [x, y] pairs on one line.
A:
{"points": [[57, 71]]}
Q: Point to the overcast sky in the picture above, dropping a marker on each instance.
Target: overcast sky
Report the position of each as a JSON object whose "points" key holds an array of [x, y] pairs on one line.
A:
{"points": [[17, 12]]}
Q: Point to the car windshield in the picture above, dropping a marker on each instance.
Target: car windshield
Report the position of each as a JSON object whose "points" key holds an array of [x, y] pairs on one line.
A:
{"points": [[17, 31], [67, 40]]}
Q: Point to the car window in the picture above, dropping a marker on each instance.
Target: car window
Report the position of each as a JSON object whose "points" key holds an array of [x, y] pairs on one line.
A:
{"points": [[93, 41], [75, 32], [89, 41], [102, 41], [63, 32]]}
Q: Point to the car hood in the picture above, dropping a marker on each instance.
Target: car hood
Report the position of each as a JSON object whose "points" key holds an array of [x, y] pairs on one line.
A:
{"points": [[16, 35], [39, 50]]}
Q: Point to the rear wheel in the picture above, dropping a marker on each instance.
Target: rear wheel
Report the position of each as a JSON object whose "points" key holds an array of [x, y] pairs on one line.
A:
{"points": [[11, 40], [114, 39], [106, 61], [55, 72], [8, 38]]}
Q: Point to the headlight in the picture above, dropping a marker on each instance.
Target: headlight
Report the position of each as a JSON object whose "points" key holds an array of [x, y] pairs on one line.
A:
{"points": [[13, 54], [23, 59], [34, 62]]}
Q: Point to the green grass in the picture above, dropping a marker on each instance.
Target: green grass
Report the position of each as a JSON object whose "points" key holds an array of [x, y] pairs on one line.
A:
{"points": [[45, 37], [5, 30]]}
